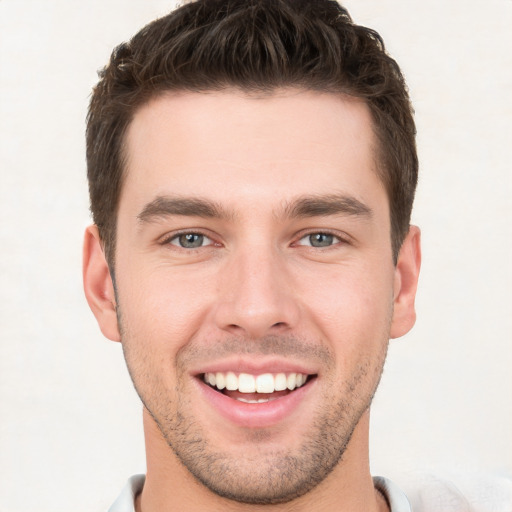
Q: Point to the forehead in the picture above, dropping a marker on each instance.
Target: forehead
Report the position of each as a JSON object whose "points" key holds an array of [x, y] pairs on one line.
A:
{"points": [[230, 145]]}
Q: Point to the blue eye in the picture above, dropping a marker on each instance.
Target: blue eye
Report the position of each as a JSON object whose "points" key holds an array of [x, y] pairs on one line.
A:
{"points": [[190, 240], [319, 240]]}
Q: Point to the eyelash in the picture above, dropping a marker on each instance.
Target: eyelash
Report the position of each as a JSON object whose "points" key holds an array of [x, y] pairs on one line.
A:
{"points": [[175, 236], [338, 239]]}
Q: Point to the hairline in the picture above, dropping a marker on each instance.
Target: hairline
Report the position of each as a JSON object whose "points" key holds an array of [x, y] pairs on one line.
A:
{"points": [[261, 92]]}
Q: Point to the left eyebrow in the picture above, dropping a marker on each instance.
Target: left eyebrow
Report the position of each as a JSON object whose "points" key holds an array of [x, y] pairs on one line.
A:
{"points": [[324, 205]]}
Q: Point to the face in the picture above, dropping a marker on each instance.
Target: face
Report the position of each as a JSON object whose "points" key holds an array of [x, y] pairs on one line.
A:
{"points": [[255, 285]]}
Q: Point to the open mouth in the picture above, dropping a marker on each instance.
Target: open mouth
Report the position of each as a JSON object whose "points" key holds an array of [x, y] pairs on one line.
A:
{"points": [[254, 389]]}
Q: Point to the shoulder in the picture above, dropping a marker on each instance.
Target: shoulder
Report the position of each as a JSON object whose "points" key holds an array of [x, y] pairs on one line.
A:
{"points": [[125, 501], [425, 493], [396, 498], [459, 492]]}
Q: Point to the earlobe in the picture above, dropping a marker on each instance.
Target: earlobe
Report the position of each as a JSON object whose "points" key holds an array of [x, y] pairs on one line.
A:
{"points": [[406, 281], [98, 286]]}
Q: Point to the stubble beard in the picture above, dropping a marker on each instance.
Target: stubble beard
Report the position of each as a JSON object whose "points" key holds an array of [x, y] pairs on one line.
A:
{"points": [[271, 477]]}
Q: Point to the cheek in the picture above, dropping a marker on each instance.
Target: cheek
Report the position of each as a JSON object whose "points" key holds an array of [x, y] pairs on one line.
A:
{"points": [[163, 308], [354, 311]]}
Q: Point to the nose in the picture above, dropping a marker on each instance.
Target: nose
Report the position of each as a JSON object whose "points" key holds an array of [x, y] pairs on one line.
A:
{"points": [[256, 295]]}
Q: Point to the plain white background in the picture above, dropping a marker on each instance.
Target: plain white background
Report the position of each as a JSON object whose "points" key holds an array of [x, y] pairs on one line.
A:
{"points": [[70, 429]]}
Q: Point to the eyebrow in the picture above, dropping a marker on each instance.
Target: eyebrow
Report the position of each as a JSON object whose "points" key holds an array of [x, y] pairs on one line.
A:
{"points": [[164, 206], [332, 204], [303, 207]]}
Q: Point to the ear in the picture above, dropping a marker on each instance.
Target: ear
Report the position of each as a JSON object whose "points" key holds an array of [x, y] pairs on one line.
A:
{"points": [[406, 281], [98, 286]]}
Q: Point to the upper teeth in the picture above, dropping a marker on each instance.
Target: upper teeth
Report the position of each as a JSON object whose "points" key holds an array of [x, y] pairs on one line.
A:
{"points": [[247, 383]]}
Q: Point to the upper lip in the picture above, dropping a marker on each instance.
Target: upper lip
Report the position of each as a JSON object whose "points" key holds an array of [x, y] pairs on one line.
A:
{"points": [[256, 366]]}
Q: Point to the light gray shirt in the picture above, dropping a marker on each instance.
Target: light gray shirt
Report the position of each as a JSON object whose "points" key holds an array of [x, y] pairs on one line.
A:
{"points": [[397, 500]]}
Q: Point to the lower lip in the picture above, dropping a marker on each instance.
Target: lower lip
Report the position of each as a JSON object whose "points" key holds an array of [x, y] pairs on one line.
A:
{"points": [[259, 415]]}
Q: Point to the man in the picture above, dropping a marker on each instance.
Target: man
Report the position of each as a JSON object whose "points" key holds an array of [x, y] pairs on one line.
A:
{"points": [[252, 168]]}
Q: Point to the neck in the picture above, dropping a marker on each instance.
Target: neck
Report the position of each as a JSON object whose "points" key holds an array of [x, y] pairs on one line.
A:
{"points": [[170, 486]]}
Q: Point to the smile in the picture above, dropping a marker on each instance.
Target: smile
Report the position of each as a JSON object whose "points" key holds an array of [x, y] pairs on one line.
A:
{"points": [[247, 383], [256, 393], [261, 388]]}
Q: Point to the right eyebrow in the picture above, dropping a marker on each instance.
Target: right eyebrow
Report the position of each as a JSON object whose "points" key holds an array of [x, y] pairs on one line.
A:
{"points": [[164, 206]]}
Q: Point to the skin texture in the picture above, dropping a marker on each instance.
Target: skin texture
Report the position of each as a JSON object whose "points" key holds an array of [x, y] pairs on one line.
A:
{"points": [[258, 178]]}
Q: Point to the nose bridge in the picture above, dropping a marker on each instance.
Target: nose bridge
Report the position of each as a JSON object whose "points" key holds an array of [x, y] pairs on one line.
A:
{"points": [[256, 297]]}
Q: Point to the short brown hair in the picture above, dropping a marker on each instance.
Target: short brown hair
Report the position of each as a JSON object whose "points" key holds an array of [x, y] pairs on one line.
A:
{"points": [[256, 46]]}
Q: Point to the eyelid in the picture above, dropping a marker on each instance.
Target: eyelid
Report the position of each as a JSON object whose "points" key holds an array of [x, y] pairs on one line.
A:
{"points": [[169, 237], [342, 238], [206, 241]]}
